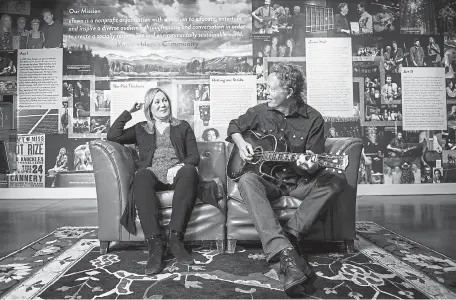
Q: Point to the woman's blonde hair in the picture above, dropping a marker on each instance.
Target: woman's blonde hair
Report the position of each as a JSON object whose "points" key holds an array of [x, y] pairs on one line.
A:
{"points": [[148, 100], [2, 22]]}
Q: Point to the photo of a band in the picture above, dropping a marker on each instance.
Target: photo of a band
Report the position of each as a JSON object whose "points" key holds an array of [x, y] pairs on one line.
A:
{"points": [[284, 20]]}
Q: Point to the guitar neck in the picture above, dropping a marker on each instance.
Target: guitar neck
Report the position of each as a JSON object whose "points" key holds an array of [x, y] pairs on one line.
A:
{"points": [[281, 156], [326, 160]]}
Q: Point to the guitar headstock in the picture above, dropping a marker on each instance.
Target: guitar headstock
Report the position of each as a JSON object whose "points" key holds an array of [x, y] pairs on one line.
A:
{"points": [[339, 162]]}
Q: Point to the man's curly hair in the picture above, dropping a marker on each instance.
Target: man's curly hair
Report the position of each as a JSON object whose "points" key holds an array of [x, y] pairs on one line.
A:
{"points": [[290, 76]]}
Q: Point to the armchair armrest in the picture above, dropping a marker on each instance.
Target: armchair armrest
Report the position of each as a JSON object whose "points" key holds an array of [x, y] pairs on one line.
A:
{"points": [[113, 166], [345, 207], [212, 166]]}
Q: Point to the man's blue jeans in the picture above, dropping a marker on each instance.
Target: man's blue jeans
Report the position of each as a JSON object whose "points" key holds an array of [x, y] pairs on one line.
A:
{"points": [[317, 195]]}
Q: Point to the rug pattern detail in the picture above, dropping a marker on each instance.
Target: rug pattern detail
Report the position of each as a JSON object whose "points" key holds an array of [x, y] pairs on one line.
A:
{"points": [[67, 264]]}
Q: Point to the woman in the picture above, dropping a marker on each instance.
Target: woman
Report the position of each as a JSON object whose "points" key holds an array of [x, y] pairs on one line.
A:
{"points": [[210, 135], [274, 47], [6, 34], [61, 164], [290, 48], [35, 38], [168, 157]]}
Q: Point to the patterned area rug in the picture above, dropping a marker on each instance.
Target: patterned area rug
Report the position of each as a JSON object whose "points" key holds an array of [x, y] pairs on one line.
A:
{"points": [[66, 264]]}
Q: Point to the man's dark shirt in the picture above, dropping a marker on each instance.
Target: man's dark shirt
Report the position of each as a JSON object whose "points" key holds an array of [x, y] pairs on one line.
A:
{"points": [[302, 129], [53, 34], [341, 22]]}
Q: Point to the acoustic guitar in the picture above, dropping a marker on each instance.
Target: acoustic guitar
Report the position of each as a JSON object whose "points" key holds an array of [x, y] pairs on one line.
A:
{"points": [[268, 153], [267, 22]]}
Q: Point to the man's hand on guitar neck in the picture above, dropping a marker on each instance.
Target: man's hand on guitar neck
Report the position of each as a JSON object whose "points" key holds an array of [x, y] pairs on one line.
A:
{"points": [[307, 164]]}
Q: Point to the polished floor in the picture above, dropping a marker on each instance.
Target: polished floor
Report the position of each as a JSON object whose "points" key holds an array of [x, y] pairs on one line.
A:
{"points": [[430, 220]]}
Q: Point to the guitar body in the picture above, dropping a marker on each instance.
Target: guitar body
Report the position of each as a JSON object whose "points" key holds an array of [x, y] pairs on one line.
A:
{"points": [[389, 65], [236, 167], [267, 21]]}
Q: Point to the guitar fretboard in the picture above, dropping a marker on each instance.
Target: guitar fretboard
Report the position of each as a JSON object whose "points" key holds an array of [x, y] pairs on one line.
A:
{"points": [[280, 156]]}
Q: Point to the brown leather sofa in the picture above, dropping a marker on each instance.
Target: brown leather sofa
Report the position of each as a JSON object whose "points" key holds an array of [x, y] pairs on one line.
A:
{"points": [[337, 225], [114, 164], [230, 221]]}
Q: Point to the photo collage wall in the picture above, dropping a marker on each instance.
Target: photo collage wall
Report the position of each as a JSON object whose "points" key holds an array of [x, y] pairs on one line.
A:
{"points": [[381, 71]]}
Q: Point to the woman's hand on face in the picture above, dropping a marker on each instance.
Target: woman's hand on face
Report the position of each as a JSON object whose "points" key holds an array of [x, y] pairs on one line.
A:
{"points": [[136, 107]]}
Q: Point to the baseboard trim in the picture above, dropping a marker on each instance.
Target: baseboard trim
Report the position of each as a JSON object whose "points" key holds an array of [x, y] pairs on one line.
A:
{"points": [[406, 189], [48, 193], [363, 190]]}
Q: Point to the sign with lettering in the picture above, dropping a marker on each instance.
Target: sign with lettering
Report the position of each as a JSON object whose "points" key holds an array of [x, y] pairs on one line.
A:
{"points": [[19, 7], [30, 162]]}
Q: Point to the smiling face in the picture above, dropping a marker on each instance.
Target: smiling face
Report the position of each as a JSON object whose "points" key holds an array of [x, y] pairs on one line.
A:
{"points": [[360, 9], [48, 17], [211, 136], [20, 24], [276, 95], [7, 22], [160, 107], [35, 26]]}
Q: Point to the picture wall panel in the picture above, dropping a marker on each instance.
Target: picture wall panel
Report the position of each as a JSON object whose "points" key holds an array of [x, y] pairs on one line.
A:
{"points": [[382, 71]]}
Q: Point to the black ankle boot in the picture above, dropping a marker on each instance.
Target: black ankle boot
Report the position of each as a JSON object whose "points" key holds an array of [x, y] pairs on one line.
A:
{"points": [[296, 272], [176, 246], [156, 252], [296, 244]]}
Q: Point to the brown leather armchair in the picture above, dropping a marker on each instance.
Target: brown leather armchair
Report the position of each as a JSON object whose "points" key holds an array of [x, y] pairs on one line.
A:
{"points": [[337, 225], [114, 164]]}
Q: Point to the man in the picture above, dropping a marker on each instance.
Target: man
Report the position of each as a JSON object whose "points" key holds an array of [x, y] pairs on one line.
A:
{"points": [[434, 53], [365, 20], [341, 24], [288, 118], [262, 17], [387, 58], [52, 30], [417, 54], [20, 34], [396, 146], [389, 90], [298, 26], [383, 21], [398, 57]]}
